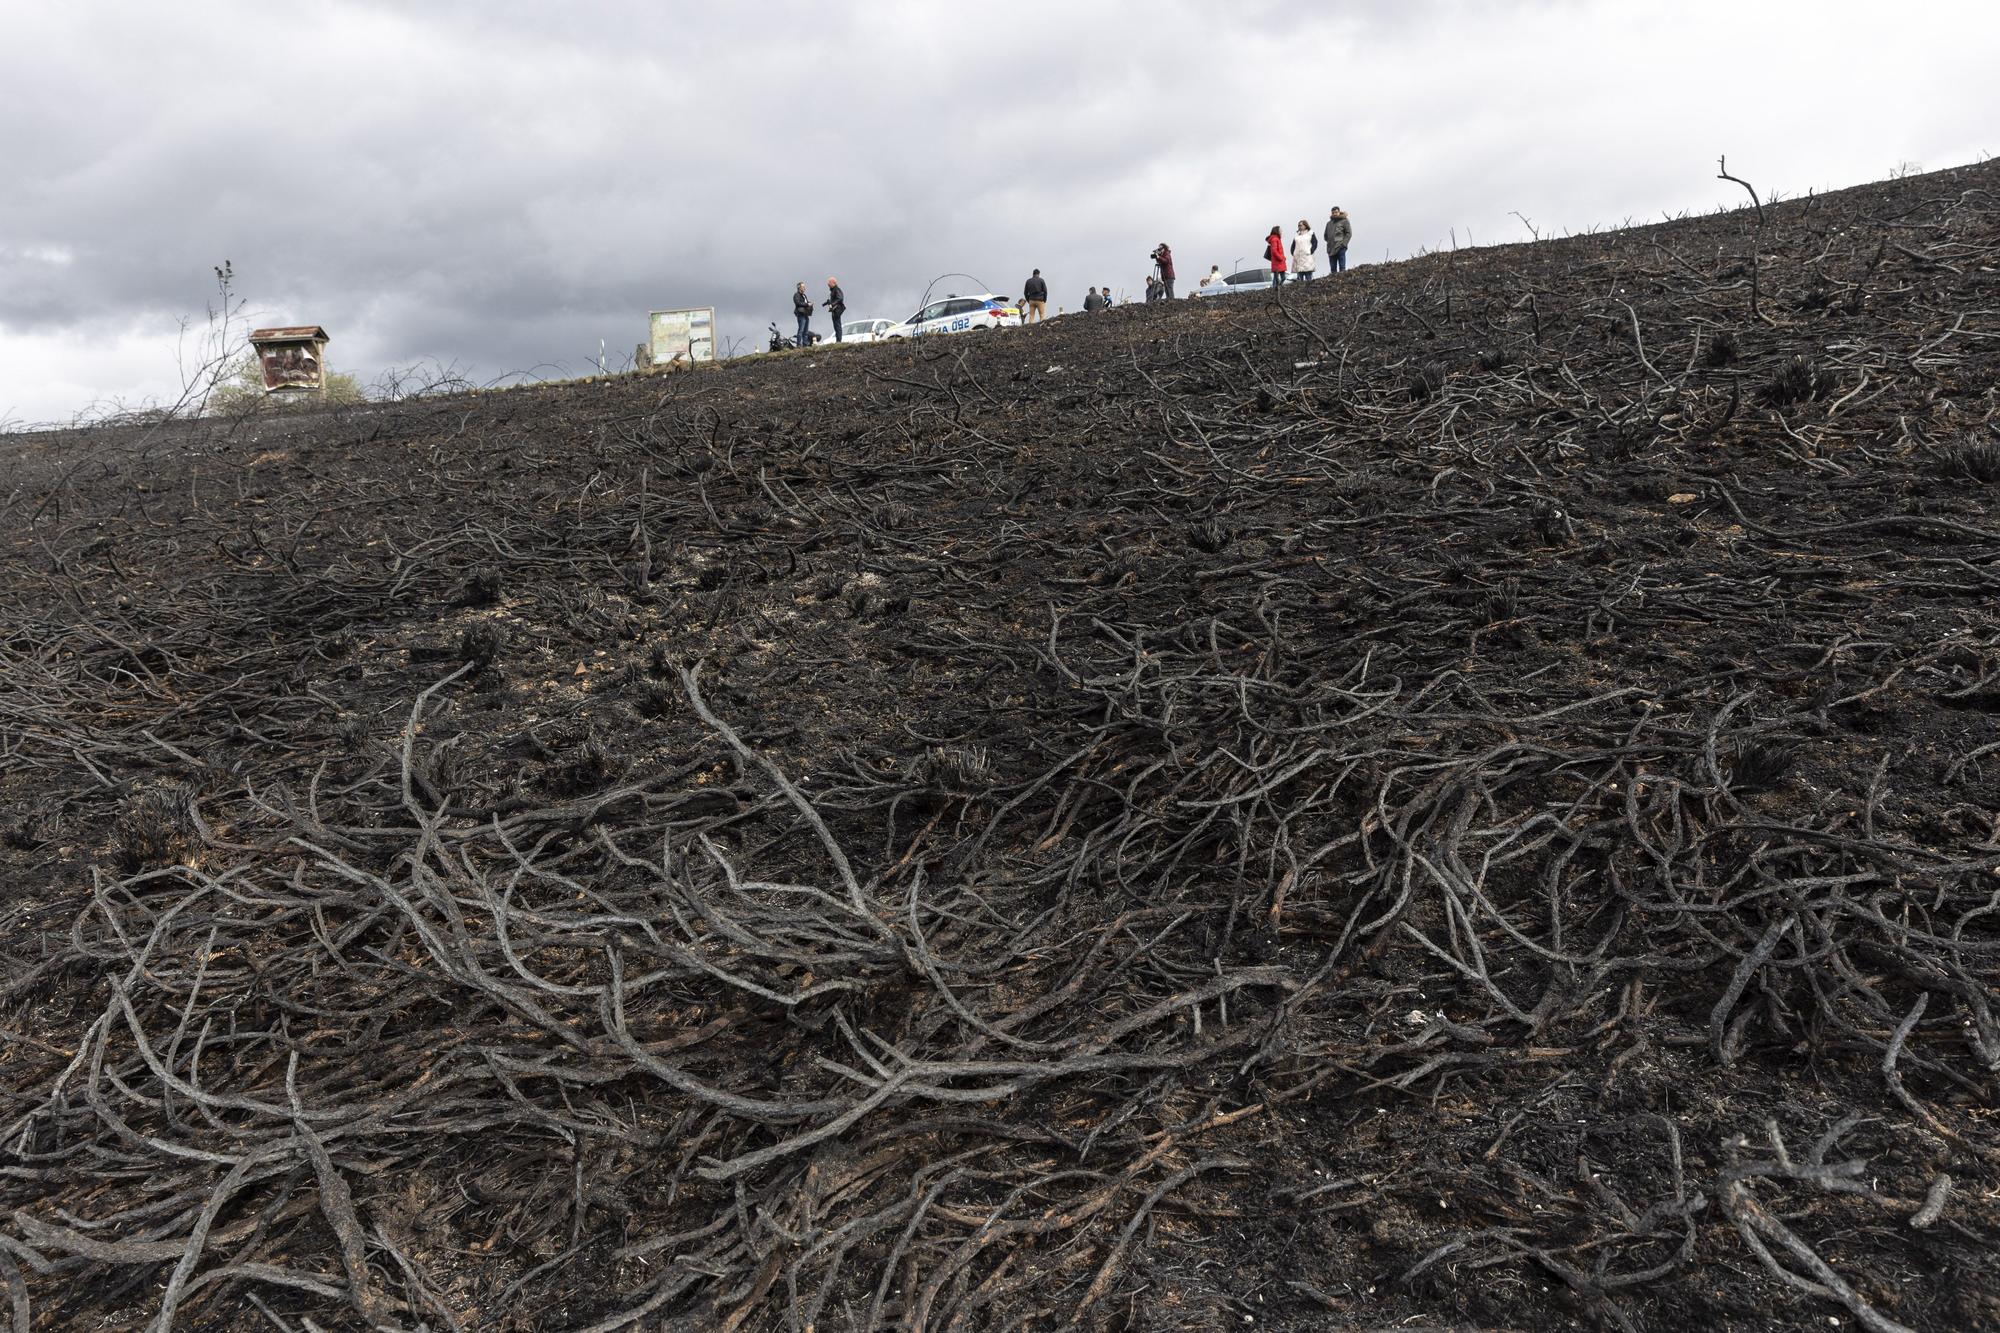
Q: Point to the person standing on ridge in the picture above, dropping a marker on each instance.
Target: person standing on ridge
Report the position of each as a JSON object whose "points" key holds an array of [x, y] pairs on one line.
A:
{"points": [[1163, 259], [1337, 233], [1305, 247], [1034, 299], [802, 307], [1093, 302], [1274, 255], [836, 305]]}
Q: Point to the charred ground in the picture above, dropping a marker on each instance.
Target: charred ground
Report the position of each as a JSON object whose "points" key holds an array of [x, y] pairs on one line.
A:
{"points": [[1464, 794]]}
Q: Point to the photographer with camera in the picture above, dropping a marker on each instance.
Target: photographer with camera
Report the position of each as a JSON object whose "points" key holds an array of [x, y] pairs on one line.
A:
{"points": [[836, 306], [1163, 259]]}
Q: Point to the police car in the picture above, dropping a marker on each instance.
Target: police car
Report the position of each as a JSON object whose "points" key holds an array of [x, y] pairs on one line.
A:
{"points": [[959, 314]]}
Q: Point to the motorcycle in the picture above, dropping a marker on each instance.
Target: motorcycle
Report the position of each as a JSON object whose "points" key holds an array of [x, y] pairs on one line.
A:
{"points": [[780, 343]]}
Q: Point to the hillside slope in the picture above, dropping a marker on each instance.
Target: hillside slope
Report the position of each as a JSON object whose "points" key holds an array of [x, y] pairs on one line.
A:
{"points": [[1460, 795]]}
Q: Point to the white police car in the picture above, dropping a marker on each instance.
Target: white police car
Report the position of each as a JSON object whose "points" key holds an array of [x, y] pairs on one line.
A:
{"points": [[959, 314]]}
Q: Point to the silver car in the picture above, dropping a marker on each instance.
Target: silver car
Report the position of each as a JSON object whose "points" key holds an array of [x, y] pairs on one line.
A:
{"points": [[1249, 280]]}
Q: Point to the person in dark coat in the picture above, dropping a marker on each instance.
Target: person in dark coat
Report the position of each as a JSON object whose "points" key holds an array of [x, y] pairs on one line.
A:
{"points": [[1163, 259], [1274, 255], [1093, 302], [802, 307], [1034, 298], [1335, 236], [836, 305]]}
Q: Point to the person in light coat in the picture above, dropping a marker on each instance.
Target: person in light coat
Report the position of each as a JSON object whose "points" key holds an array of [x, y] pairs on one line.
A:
{"points": [[1305, 251]]}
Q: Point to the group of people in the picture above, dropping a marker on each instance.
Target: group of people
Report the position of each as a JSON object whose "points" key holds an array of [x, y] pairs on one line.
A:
{"points": [[1035, 298], [802, 310], [1297, 256], [1294, 256]]}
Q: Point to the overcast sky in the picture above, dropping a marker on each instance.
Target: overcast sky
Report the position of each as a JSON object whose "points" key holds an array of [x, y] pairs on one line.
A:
{"points": [[498, 185]]}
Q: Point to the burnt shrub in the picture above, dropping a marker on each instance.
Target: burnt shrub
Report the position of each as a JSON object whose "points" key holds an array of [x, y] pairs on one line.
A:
{"points": [[1426, 382], [1209, 537], [655, 699], [482, 588], [1799, 380], [593, 764], [34, 829], [1971, 460], [438, 774], [1551, 524], [953, 768], [160, 826], [481, 645], [1761, 765]]}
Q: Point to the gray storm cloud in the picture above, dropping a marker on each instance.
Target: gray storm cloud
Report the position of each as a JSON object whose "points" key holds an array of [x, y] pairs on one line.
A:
{"points": [[501, 185]]}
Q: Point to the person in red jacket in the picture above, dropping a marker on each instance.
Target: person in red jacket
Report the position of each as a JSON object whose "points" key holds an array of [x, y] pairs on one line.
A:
{"points": [[1274, 254]]}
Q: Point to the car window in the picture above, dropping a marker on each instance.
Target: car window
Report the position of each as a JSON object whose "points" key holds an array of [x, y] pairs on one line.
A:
{"points": [[1251, 275], [962, 306], [932, 311]]}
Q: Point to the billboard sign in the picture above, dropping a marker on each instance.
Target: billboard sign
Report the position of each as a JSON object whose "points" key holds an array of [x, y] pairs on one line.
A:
{"points": [[290, 366], [683, 336], [291, 359]]}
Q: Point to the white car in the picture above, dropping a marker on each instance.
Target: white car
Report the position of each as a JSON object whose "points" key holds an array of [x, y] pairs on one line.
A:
{"points": [[1249, 280], [865, 330], [959, 314]]}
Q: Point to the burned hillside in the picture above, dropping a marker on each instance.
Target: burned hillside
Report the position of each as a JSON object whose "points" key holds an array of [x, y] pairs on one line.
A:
{"points": [[1463, 794]]}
